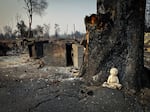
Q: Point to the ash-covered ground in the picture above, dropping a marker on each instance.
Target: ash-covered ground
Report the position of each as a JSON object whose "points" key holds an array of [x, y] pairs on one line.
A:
{"points": [[27, 87]]}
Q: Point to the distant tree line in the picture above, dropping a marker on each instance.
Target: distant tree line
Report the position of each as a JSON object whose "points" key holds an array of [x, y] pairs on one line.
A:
{"points": [[40, 31]]}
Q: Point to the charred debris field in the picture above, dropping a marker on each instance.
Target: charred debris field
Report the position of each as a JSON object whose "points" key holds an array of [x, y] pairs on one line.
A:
{"points": [[30, 84]]}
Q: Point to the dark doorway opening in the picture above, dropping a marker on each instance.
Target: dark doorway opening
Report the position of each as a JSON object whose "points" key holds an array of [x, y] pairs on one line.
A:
{"points": [[30, 50], [69, 54]]}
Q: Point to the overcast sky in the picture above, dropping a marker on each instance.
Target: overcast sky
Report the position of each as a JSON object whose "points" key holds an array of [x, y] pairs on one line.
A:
{"points": [[63, 12]]}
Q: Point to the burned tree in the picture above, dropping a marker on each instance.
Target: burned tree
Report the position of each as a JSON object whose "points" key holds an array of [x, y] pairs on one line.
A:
{"points": [[115, 37], [34, 7], [22, 29], [57, 30]]}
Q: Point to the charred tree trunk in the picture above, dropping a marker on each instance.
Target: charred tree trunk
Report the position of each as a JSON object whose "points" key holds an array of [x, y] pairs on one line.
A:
{"points": [[30, 11], [29, 8], [116, 39], [30, 29]]}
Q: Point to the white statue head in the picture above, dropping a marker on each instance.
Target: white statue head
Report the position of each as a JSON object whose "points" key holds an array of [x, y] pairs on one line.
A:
{"points": [[114, 71]]}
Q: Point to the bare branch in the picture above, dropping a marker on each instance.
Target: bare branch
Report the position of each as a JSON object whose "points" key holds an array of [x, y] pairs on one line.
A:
{"points": [[34, 7]]}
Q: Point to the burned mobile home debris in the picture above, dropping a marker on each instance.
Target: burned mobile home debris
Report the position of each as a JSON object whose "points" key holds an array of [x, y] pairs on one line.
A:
{"points": [[60, 52], [36, 49], [10, 45]]}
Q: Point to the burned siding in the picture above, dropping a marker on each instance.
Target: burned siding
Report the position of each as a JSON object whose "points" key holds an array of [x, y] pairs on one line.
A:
{"points": [[55, 54]]}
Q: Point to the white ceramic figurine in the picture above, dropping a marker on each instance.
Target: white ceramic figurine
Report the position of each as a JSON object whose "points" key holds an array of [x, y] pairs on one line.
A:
{"points": [[113, 81]]}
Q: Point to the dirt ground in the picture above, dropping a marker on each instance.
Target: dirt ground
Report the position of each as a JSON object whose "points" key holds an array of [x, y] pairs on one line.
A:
{"points": [[25, 87]]}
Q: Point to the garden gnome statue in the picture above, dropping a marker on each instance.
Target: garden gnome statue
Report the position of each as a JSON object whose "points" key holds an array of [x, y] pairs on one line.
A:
{"points": [[113, 81]]}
